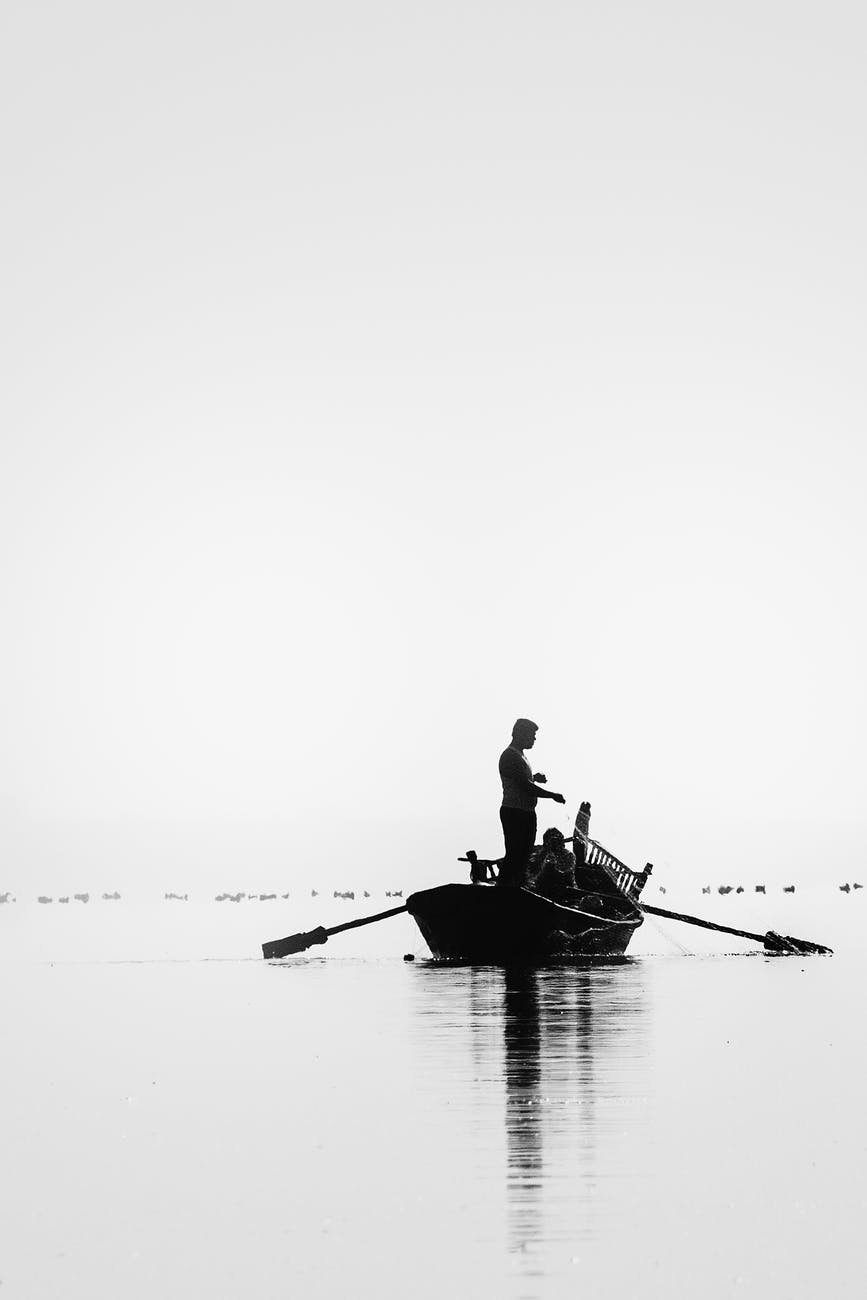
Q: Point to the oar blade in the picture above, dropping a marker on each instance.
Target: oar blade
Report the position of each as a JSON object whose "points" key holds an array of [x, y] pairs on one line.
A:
{"points": [[294, 943], [784, 943]]}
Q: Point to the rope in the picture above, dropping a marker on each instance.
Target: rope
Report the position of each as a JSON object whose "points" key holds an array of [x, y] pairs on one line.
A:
{"points": [[684, 952]]}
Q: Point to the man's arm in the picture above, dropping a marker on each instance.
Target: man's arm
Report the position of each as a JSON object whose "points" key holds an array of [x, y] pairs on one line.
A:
{"points": [[549, 794], [514, 767]]}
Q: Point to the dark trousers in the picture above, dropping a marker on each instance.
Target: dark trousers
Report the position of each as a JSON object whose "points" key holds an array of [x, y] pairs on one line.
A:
{"points": [[519, 834]]}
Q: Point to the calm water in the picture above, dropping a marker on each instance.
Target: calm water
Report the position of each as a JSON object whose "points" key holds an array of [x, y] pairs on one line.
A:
{"points": [[351, 1124]]}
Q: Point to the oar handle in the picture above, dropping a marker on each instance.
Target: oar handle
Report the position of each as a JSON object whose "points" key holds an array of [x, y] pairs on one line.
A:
{"points": [[696, 920], [364, 920]]}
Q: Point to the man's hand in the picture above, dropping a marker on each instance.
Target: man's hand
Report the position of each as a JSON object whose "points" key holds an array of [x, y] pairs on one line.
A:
{"points": [[540, 778], [558, 798]]}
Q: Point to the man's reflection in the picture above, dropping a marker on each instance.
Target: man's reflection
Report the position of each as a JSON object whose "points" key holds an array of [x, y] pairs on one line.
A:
{"points": [[522, 1068], [567, 1034]]}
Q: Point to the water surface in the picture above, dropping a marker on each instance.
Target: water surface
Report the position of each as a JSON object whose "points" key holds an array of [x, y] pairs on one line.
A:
{"points": [[357, 1125]]}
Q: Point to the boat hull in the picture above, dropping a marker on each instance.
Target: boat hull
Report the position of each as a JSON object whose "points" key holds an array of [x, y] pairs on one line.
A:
{"points": [[497, 924]]}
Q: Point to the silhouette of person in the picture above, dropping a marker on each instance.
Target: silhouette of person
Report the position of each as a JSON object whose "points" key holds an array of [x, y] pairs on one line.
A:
{"points": [[521, 789], [551, 871]]}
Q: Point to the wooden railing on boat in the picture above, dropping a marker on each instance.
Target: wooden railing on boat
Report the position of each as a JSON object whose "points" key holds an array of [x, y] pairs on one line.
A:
{"points": [[629, 882], [588, 853]]}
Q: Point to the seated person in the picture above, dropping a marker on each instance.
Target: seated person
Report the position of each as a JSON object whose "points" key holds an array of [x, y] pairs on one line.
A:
{"points": [[551, 871]]}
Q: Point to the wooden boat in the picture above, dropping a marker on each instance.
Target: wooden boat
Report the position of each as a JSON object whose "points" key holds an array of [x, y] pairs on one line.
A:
{"points": [[487, 922]]}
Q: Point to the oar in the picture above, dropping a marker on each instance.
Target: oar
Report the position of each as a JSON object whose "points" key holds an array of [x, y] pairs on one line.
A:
{"points": [[301, 942], [772, 941]]}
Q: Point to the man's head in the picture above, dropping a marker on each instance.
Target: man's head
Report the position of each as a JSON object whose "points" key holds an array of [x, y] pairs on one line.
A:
{"points": [[524, 733], [553, 838]]}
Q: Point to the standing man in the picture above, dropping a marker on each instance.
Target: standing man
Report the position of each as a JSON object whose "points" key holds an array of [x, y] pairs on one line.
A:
{"points": [[521, 789]]}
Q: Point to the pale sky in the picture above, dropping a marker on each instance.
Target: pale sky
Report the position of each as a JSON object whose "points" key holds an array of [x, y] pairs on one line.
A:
{"points": [[376, 373]]}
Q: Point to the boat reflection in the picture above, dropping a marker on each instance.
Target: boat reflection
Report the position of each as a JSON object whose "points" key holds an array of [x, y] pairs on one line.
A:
{"points": [[575, 1050], [551, 1068]]}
